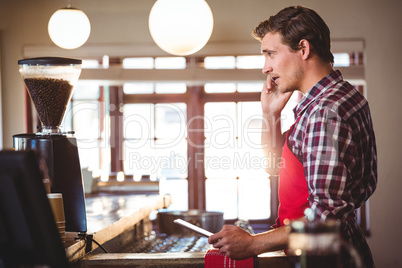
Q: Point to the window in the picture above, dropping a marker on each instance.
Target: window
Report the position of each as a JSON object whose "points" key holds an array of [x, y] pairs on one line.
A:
{"points": [[341, 60], [234, 163], [155, 145], [227, 62], [138, 63], [84, 116]]}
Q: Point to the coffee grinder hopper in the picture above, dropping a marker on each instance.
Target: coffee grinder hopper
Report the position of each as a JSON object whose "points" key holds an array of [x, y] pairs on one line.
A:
{"points": [[50, 82]]}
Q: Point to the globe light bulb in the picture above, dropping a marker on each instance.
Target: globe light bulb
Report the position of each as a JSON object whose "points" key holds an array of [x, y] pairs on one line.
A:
{"points": [[181, 27], [69, 28]]}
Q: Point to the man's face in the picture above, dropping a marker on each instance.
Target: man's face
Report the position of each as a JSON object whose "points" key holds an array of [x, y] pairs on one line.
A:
{"points": [[282, 65]]}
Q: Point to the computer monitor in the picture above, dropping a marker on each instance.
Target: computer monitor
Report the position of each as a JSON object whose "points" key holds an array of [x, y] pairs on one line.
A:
{"points": [[28, 232]]}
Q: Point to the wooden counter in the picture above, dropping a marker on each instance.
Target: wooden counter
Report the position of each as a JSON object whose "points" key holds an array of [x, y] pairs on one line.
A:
{"points": [[109, 216], [173, 260], [124, 219]]}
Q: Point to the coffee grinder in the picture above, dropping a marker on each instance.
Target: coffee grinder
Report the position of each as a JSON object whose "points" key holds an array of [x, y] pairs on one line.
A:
{"points": [[50, 83]]}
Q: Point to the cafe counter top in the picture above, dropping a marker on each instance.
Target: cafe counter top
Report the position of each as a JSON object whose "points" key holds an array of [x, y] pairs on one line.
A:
{"points": [[115, 220]]}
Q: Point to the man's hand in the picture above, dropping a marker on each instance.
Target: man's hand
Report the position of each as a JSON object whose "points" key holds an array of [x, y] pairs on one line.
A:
{"points": [[272, 100], [234, 242], [238, 244]]}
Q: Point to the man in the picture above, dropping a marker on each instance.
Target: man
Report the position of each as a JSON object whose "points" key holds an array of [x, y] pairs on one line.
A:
{"points": [[328, 157]]}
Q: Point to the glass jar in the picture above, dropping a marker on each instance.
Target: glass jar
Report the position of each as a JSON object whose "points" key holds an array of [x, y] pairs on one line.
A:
{"points": [[315, 244]]}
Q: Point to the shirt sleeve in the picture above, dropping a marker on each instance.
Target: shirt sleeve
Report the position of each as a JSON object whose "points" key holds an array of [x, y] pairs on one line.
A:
{"points": [[328, 151]]}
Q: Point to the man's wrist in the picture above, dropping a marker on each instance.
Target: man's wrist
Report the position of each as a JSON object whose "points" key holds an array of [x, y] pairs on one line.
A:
{"points": [[271, 114]]}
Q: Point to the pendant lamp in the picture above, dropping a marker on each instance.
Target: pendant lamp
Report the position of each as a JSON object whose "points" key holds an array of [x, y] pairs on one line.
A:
{"points": [[181, 27], [69, 28]]}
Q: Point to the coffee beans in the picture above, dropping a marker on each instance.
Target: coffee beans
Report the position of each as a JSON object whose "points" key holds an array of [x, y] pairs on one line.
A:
{"points": [[50, 97]]}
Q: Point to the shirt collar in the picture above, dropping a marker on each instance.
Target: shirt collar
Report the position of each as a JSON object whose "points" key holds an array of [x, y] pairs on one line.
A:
{"points": [[319, 88]]}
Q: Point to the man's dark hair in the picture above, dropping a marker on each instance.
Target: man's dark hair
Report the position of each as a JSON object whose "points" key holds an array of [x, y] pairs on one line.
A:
{"points": [[296, 23]]}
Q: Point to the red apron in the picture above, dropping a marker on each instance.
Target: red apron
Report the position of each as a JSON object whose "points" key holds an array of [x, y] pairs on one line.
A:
{"points": [[293, 192]]}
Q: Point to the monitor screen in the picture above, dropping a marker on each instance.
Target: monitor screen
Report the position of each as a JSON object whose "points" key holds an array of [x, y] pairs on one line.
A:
{"points": [[28, 232]]}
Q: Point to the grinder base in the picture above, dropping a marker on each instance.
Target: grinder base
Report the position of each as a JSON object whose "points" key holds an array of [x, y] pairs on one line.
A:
{"points": [[61, 157]]}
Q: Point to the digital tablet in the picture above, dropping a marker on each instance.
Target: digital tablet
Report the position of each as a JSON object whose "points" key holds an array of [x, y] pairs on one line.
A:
{"points": [[193, 227]]}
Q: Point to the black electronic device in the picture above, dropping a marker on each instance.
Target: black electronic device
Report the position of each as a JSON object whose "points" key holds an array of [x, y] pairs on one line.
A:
{"points": [[28, 232], [193, 227], [60, 154]]}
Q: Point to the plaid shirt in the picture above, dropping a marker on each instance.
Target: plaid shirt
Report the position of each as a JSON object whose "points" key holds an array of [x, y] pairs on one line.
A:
{"points": [[334, 140]]}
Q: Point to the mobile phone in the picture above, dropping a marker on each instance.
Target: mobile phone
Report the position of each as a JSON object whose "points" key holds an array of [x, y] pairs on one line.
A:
{"points": [[193, 227]]}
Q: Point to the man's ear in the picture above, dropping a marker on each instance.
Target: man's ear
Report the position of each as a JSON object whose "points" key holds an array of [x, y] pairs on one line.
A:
{"points": [[305, 48]]}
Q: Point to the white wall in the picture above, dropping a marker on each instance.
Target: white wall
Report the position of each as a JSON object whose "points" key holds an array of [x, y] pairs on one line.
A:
{"points": [[24, 23]]}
